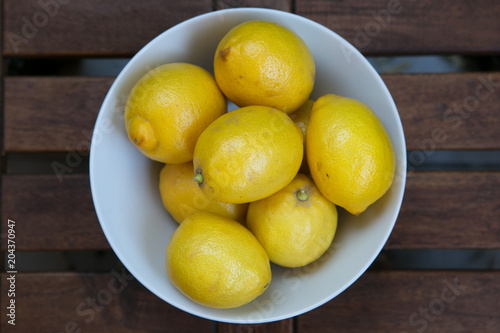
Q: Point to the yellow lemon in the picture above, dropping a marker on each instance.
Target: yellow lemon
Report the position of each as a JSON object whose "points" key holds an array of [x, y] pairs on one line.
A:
{"points": [[182, 196], [217, 262], [264, 63], [247, 154], [350, 154], [169, 107], [296, 225], [301, 117]]}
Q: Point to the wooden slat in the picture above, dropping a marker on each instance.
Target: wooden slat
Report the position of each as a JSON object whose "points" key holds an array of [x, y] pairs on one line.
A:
{"points": [[412, 301], [51, 215], [90, 28], [449, 210], [59, 112], [282, 326], [52, 113], [121, 28], [285, 5], [99, 303], [448, 111], [441, 210], [410, 27], [387, 301]]}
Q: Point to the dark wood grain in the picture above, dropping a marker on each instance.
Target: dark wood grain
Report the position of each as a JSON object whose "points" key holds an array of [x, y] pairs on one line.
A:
{"points": [[2, 161], [282, 326], [285, 5], [411, 301], [51, 214], [441, 210], [99, 303], [59, 112], [447, 111], [386, 301], [410, 27], [449, 210], [121, 28], [90, 28]]}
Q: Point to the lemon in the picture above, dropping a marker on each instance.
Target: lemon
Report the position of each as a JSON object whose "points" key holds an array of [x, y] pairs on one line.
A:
{"points": [[217, 262], [301, 117], [169, 107], [295, 225], [247, 154], [182, 196], [264, 63], [350, 154]]}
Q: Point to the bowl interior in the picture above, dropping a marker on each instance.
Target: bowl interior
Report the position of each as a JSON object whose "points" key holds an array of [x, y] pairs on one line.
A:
{"points": [[124, 183]]}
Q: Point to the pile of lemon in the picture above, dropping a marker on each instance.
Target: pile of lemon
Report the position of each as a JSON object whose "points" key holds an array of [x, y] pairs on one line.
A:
{"points": [[239, 183]]}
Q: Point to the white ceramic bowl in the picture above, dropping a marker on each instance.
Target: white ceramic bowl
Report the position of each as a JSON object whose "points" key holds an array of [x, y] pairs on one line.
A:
{"points": [[125, 183]]}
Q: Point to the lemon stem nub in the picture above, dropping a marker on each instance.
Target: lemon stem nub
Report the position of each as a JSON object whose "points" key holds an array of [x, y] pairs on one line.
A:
{"points": [[199, 178], [302, 195]]}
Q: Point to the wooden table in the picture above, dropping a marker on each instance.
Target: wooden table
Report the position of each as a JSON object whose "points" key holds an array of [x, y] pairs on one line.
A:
{"points": [[49, 118]]}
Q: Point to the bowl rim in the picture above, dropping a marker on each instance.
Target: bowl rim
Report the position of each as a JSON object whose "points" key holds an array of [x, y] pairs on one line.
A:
{"points": [[95, 195]]}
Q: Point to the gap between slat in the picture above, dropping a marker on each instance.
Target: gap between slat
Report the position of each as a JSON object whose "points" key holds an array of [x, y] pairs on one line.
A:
{"points": [[102, 261]]}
